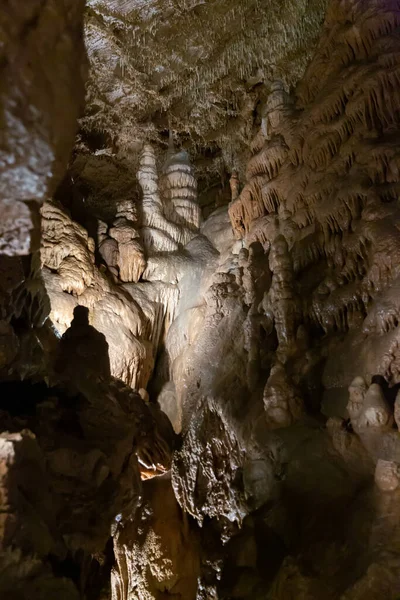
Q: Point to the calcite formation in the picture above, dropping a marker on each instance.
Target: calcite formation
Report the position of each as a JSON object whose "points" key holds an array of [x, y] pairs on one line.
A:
{"points": [[158, 64], [121, 249], [160, 530], [200, 404], [72, 278], [71, 436], [170, 215], [321, 192]]}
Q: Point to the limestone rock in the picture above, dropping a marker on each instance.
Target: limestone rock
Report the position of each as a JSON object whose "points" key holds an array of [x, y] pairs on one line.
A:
{"points": [[282, 404], [171, 215], [158, 552], [387, 475], [236, 327], [41, 97], [376, 412], [73, 278]]}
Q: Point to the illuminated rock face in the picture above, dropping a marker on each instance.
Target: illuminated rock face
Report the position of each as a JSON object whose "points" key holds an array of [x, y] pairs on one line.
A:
{"points": [[72, 278], [320, 198], [71, 435], [324, 183], [160, 531], [171, 215], [179, 191]]}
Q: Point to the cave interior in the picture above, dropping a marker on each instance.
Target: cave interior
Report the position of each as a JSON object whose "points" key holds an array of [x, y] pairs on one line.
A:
{"points": [[199, 300]]}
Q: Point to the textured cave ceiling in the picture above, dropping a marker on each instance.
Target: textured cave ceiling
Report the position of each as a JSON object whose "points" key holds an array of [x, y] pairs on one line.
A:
{"points": [[201, 68]]}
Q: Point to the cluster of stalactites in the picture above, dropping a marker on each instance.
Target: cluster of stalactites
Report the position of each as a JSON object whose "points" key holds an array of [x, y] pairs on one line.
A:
{"points": [[325, 172], [170, 220], [333, 131]]}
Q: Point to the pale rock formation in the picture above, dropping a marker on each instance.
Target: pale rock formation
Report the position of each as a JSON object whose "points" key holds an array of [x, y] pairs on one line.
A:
{"points": [[71, 278], [168, 403], [313, 141], [277, 110], [282, 404], [108, 249], [234, 183], [73, 258], [357, 391], [368, 407], [375, 412], [130, 261], [103, 188], [158, 234], [282, 297], [387, 475], [171, 215], [178, 188]]}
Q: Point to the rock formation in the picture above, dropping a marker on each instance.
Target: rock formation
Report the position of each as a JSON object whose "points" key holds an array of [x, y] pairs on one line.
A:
{"points": [[199, 365], [72, 278]]}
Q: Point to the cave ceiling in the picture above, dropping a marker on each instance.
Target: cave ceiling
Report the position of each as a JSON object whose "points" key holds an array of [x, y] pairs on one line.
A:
{"points": [[200, 68]]}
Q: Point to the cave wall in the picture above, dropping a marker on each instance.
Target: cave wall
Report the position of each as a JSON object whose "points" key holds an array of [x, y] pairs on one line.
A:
{"points": [[71, 434], [324, 177]]}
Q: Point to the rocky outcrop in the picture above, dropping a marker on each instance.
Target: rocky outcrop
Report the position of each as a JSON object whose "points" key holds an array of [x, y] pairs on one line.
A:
{"points": [[39, 105]]}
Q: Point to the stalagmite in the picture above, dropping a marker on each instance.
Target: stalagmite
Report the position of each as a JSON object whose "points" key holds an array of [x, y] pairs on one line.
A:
{"points": [[375, 412], [179, 192], [282, 403], [283, 300], [171, 220], [234, 185]]}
